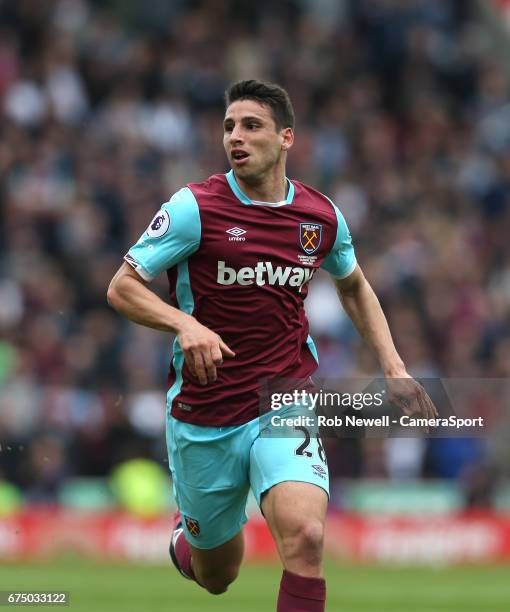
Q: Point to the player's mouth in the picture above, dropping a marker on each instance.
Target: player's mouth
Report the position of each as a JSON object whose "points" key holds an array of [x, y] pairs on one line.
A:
{"points": [[239, 157]]}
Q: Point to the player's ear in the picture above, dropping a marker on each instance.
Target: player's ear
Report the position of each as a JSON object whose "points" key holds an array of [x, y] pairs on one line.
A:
{"points": [[287, 138]]}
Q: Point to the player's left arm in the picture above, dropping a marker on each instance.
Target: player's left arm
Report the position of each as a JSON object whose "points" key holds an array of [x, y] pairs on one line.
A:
{"points": [[363, 308]]}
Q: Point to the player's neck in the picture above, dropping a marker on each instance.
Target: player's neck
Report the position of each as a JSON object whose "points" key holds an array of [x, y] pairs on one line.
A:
{"points": [[270, 189]]}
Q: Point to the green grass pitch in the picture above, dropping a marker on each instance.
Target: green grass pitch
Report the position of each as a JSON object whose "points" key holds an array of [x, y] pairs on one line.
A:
{"points": [[136, 588]]}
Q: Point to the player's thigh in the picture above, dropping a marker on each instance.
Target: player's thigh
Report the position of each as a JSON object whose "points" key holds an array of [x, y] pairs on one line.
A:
{"points": [[289, 477]]}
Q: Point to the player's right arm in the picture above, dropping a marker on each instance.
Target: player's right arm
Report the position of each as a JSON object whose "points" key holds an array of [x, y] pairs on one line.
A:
{"points": [[171, 237], [129, 295]]}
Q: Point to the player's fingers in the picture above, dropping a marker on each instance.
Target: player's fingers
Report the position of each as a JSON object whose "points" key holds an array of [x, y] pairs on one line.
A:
{"points": [[190, 362], [396, 401], [200, 367], [432, 409], [415, 407], [432, 406], [216, 356], [426, 404], [226, 351], [210, 367], [422, 406], [427, 400], [423, 410], [404, 403]]}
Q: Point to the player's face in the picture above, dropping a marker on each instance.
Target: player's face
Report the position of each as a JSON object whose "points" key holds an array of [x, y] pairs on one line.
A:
{"points": [[253, 143]]}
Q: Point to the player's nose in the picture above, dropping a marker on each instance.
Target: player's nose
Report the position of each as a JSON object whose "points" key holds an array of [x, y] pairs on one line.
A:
{"points": [[236, 135]]}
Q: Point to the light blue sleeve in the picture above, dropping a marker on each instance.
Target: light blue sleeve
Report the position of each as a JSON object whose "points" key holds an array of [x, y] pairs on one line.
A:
{"points": [[172, 235], [341, 261]]}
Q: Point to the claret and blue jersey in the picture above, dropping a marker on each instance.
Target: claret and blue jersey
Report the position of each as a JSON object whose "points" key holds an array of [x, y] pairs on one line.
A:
{"points": [[242, 269]]}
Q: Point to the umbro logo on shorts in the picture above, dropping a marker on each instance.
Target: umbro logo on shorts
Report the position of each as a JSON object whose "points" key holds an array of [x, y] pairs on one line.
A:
{"points": [[320, 471], [264, 272]]}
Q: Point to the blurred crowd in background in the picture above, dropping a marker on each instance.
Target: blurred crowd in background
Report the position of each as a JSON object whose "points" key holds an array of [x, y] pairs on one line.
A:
{"points": [[107, 108]]}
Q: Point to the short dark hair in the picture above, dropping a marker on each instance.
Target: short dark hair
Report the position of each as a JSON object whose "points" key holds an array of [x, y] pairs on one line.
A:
{"points": [[265, 93]]}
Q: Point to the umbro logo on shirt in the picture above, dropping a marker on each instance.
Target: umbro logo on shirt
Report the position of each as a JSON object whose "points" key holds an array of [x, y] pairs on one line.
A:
{"points": [[236, 234]]}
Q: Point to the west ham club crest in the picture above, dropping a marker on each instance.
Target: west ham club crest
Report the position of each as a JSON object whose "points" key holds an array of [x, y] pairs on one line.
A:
{"points": [[310, 237], [193, 526]]}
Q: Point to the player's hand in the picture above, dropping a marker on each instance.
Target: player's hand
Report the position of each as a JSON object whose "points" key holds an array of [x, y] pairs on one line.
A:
{"points": [[203, 349], [409, 396]]}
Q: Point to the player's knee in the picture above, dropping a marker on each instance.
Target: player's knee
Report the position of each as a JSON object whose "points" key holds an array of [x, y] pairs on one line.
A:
{"points": [[215, 586], [305, 543], [216, 582]]}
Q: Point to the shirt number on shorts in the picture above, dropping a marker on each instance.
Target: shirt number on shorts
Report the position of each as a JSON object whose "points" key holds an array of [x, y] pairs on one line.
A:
{"points": [[301, 449]]}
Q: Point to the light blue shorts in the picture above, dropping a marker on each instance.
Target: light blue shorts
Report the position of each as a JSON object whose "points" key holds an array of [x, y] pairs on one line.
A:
{"points": [[213, 469]]}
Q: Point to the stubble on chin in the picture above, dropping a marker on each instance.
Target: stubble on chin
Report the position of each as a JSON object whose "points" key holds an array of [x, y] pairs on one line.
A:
{"points": [[257, 175]]}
